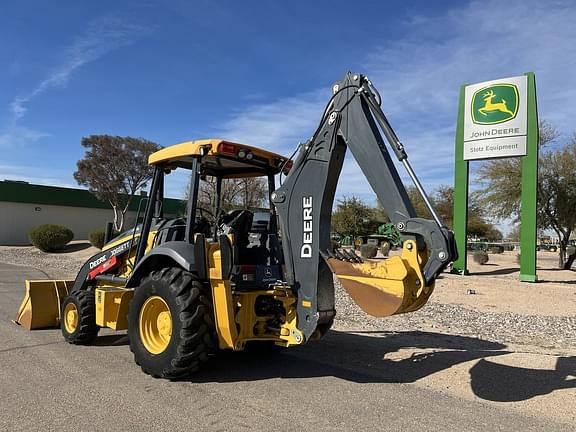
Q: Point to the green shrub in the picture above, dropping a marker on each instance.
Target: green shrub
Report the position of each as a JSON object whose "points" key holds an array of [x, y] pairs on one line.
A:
{"points": [[96, 238], [50, 237], [368, 251], [570, 250], [480, 257], [496, 249]]}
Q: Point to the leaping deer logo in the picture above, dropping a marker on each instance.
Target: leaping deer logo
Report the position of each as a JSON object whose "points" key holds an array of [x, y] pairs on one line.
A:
{"points": [[491, 106]]}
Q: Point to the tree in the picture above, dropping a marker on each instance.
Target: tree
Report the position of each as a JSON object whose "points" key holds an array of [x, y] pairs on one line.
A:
{"points": [[556, 187], [244, 193], [114, 168], [442, 199], [557, 194], [514, 235], [379, 214], [501, 180], [478, 227], [418, 202], [493, 233], [354, 218]]}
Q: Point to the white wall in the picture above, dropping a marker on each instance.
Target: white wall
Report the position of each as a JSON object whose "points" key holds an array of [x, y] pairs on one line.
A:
{"points": [[16, 219]]}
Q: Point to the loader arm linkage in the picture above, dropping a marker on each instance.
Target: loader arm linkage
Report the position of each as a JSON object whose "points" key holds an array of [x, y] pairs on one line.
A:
{"points": [[354, 120]]}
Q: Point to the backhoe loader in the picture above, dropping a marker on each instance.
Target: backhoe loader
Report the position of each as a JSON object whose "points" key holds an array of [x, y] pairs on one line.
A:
{"points": [[212, 280]]}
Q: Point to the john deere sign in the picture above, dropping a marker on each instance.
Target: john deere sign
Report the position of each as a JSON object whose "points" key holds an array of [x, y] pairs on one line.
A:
{"points": [[498, 119], [495, 119]]}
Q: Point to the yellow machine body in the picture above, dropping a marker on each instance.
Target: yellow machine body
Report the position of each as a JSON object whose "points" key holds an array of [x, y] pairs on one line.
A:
{"points": [[236, 322], [112, 307]]}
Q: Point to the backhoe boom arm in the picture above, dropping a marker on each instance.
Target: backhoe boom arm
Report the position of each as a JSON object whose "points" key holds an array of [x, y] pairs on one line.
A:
{"points": [[352, 120]]}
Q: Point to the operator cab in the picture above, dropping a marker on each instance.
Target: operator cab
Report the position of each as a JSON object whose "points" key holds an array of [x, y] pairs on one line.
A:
{"points": [[252, 234]]}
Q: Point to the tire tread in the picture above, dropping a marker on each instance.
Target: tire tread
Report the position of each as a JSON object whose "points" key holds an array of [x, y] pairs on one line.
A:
{"points": [[197, 337], [87, 329]]}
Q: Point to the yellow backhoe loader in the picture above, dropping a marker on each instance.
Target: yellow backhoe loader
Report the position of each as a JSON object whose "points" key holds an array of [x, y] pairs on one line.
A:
{"points": [[212, 280]]}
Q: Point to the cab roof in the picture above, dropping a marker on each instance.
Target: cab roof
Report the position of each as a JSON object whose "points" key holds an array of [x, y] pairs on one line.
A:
{"points": [[221, 158]]}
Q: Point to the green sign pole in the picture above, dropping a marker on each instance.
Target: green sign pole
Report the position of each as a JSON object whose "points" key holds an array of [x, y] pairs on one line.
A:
{"points": [[528, 208], [460, 193]]}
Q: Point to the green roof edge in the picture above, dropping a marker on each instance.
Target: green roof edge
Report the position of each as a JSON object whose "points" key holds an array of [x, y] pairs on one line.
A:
{"points": [[19, 192]]}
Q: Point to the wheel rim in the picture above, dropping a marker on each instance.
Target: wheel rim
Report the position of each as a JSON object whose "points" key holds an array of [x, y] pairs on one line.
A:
{"points": [[155, 325], [70, 318]]}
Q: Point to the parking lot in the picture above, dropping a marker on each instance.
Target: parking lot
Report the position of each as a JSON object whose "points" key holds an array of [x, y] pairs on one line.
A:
{"points": [[362, 380]]}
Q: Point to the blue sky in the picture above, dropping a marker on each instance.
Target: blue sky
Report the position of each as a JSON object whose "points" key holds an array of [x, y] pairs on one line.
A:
{"points": [[260, 72]]}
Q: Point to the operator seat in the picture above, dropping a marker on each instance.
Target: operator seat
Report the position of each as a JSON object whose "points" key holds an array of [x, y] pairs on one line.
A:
{"points": [[171, 230], [258, 252], [240, 223]]}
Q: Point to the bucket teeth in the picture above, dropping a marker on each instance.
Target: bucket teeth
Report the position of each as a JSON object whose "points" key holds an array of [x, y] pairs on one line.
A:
{"points": [[327, 254], [352, 257], [342, 255]]}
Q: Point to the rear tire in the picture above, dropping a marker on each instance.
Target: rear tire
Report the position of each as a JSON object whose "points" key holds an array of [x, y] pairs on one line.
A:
{"points": [[78, 318], [170, 324]]}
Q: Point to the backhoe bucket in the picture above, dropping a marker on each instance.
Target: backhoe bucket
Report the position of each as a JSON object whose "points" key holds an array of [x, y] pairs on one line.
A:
{"points": [[383, 287], [41, 305]]}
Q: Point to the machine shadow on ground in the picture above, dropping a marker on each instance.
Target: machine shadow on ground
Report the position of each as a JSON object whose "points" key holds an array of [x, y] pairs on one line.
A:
{"points": [[112, 340], [379, 358], [567, 282], [497, 272]]}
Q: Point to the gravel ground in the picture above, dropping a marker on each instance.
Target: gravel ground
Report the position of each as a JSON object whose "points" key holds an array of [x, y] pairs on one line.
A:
{"points": [[54, 265], [506, 327], [503, 327]]}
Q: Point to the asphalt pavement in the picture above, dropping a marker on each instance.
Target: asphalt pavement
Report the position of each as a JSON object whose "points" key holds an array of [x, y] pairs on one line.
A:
{"points": [[340, 383]]}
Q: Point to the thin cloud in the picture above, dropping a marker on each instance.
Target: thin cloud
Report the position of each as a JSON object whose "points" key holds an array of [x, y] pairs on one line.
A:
{"points": [[17, 136], [101, 37], [46, 176], [278, 125]]}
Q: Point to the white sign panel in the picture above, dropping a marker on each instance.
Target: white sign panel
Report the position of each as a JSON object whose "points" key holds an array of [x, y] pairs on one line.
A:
{"points": [[495, 118]]}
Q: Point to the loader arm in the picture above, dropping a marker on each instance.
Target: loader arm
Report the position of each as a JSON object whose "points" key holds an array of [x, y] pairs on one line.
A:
{"points": [[354, 120]]}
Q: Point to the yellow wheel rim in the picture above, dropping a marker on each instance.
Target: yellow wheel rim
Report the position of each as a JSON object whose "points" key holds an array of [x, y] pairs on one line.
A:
{"points": [[70, 318], [155, 325]]}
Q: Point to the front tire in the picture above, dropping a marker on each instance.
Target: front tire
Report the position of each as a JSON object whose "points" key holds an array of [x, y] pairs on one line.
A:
{"points": [[170, 324], [78, 318]]}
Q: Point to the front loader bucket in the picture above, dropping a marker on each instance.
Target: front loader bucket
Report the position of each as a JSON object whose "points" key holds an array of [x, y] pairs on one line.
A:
{"points": [[383, 287], [40, 307]]}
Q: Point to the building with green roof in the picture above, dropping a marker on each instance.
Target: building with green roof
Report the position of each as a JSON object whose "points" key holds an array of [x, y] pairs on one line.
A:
{"points": [[24, 206]]}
